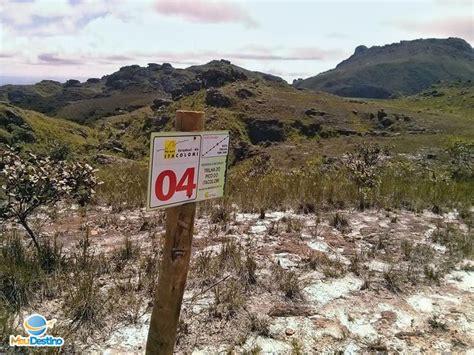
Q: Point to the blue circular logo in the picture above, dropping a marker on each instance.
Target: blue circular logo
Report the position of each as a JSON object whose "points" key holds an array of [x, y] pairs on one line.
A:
{"points": [[36, 325]]}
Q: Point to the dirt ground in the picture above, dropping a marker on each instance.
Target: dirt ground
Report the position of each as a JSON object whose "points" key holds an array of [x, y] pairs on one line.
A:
{"points": [[345, 280]]}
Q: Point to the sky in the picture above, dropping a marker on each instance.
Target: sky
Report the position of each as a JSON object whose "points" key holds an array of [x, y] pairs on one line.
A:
{"points": [[62, 39]]}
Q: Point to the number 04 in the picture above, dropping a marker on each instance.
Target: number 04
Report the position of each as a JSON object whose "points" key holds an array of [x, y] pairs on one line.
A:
{"points": [[186, 183]]}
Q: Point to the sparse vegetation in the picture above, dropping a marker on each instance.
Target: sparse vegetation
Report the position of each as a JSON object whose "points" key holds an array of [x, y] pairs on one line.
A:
{"points": [[330, 267], [340, 222], [287, 282], [99, 265], [259, 325]]}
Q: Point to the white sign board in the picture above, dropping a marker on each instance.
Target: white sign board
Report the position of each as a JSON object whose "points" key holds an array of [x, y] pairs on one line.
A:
{"points": [[186, 167]]}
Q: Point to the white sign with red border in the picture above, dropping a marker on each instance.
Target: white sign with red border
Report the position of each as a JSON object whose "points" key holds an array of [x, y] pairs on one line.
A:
{"points": [[186, 167]]}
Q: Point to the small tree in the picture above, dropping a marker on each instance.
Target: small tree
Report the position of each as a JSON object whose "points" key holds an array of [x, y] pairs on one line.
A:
{"points": [[462, 160], [364, 166], [32, 182]]}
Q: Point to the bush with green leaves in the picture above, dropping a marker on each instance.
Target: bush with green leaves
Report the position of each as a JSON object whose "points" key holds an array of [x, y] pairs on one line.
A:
{"points": [[462, 160], [364, 168], [31, 182]]}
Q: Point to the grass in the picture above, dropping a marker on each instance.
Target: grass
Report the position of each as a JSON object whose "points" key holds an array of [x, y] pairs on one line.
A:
{"points": [[124, 185], [403, 184], [330, 267], [50, 134], [74, 281], [340, 222], [287, 282], [259, 324]]}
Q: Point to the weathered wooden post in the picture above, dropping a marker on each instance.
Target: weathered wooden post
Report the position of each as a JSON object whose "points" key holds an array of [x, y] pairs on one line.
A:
{"points": [[185, 167], [175, 261]]}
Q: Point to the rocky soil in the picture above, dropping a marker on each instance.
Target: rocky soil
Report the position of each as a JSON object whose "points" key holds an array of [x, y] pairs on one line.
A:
{"points": [[334, 281]]}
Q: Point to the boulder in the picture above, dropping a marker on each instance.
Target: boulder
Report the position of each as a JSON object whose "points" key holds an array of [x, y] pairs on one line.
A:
{"points": [[313, 112], [243, 150], [217, 99], [216, 78], [154, 66], [244, 93], [11, 116], [387, 122], [161, 102], [271, 130], [93, 80], [381, 114], [309, 130]]}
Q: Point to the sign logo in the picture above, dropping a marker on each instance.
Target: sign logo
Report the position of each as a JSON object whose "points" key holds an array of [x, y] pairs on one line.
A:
{"points": [[36, 327], [170, 149]]}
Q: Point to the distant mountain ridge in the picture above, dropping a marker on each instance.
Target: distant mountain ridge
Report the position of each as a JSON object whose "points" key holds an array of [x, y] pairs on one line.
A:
{"points": [[129, 88], [403, 68]]}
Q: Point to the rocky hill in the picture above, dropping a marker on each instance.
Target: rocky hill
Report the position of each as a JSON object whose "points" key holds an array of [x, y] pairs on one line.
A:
{"points": [[129, 88], [403, 68]]}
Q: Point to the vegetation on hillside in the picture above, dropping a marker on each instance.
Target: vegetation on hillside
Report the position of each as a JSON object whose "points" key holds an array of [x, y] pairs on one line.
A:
{"points": [[404, 68]]}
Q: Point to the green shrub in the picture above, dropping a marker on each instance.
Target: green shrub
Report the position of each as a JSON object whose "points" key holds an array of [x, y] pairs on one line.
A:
{"points": [[32, 182]]}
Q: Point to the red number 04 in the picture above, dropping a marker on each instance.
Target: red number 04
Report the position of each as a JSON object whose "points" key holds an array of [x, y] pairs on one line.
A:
{"points": [[186, 183]]}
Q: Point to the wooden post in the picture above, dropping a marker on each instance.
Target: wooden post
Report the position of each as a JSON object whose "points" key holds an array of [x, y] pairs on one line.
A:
{"points": [[175, 261]]}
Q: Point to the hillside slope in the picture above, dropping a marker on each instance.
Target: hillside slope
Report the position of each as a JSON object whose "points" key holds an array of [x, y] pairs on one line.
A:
{"points": [[293, 125], [403, 68], [129, 88], [39, 133]]}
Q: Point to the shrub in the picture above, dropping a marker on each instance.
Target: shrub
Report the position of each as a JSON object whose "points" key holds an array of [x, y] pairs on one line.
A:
{"points": [[364, 166], [259, 325], [287, 282], [32, 182], [330, 267], [340, 222], [462, 160]]}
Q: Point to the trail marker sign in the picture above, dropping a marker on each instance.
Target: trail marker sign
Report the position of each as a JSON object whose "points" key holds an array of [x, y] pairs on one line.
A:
{"points": [[186, 167]]}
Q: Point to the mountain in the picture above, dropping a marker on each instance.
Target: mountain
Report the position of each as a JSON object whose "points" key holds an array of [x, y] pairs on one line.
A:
{"points": [[111, 118], [404, 68], [123, 91]]}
